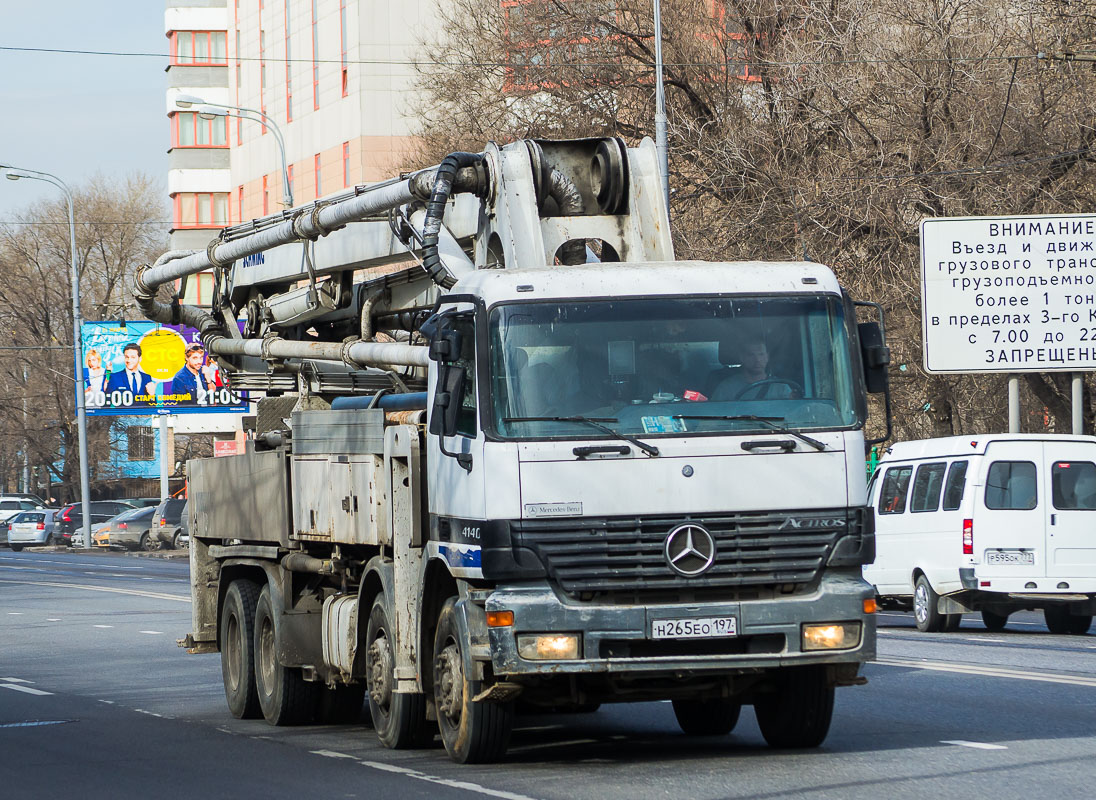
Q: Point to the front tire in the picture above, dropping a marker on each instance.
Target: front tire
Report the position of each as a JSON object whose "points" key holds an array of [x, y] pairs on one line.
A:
{"points": [[399, 719], [994, 621], [471, 732], [798, 713], [237, 633], [925, 607], [707, 717], [285, 697]]}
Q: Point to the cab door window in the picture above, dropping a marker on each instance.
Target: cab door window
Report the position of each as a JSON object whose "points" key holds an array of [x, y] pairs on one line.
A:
{"points": [[466, 419], [892, 497]]}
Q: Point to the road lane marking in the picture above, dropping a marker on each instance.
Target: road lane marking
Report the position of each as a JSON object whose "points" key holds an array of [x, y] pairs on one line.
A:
{"points": [[14, 680], [975, 745], [422, 776], [102, 626], [24, 689], [139, 593], [35, 723], [53, 619], [988, 672], [980, 639], [152, 633], [15, 613]]}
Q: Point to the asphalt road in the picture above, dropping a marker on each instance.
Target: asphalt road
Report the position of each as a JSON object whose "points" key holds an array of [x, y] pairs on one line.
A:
{"points": [[96, 700]]}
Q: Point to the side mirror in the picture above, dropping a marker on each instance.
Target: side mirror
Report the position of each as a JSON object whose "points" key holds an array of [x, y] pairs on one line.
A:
{"points": [[445, 346], [875, 356], [447, 400]]}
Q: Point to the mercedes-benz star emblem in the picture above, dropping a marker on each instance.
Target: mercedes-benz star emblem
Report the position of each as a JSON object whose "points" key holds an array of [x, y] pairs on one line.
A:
{"points": [[689, 549]]}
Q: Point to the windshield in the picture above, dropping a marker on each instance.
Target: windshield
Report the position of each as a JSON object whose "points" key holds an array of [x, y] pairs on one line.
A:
{"points": [[670, 366]]}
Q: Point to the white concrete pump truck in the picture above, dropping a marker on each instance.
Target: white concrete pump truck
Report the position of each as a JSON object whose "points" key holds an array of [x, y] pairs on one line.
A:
{"points": [[512, 454]]}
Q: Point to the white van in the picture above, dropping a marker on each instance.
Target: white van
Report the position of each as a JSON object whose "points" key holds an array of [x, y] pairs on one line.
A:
{"points": [[994, 524]]}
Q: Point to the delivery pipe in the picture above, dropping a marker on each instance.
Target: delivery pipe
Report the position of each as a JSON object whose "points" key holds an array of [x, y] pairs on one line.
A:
{"points": [[353, 353]]}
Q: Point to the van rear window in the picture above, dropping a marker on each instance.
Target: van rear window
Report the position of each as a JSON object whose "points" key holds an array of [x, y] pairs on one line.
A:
{"points": [[892, 497], [1073, 484], [926, 487], [1011, 486], [953, 491]]}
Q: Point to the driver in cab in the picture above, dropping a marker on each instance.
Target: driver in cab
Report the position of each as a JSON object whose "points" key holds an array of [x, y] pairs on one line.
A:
{"points": [[752, 381]]}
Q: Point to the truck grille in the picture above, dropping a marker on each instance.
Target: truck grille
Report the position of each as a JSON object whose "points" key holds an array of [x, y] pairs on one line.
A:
{"points": [[625, 555]]}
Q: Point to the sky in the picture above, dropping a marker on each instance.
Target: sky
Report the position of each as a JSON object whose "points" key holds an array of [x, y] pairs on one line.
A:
{"points": [[75, 115]]}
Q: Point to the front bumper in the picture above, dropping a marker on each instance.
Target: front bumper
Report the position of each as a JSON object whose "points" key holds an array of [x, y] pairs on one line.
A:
{"points": [[615, 638]]}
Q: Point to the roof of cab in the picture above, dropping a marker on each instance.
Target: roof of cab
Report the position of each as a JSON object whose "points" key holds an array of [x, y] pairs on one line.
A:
{"points": [[976, 444]]}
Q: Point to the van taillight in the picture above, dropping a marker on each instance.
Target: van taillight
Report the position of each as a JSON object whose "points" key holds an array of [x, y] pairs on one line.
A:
{"points": [[968, 537]]}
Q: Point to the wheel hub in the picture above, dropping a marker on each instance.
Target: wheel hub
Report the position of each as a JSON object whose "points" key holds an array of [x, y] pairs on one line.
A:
{"points": [[450, 683], [920, 603], [380, 672]]}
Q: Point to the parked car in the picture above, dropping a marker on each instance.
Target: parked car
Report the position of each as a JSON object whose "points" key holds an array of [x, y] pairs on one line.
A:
{"points": [[183, 539], [141, 502], [71, 518], [990, 524], [130, 529], [29, 528], [10, 505], [165, 521]]}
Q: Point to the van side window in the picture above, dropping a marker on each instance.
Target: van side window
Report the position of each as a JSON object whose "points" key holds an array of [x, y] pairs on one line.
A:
{"points": [[953, 491], [1073, 484], [1011, 485], [892, 497], [926, 487]]}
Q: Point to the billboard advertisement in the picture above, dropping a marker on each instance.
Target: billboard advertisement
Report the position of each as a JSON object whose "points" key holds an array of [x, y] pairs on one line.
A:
{"points": [[148, 368]]}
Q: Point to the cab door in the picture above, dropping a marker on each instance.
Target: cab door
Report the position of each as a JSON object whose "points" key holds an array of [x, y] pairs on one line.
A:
{"points": [[1071, 515]]}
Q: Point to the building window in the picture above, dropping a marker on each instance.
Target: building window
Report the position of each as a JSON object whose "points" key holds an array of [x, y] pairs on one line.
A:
{"points": [[316, 174], [201, 209], [199, 48], [190, 130], [315, 63], [288, 69], [346, 164], [266, 195], [342, 44], [141, 443]]}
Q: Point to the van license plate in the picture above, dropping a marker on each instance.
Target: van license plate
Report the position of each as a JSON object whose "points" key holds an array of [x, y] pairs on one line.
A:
{"points": [[1009, 557], [702, 628]]}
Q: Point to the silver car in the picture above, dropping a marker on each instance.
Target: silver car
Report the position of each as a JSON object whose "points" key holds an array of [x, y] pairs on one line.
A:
{"points": [[33, 528], [130, 530]]}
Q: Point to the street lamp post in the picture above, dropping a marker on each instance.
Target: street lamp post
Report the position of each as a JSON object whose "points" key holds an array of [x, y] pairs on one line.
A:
{"points": [[661, 140], [14, 174], [209, 110]]}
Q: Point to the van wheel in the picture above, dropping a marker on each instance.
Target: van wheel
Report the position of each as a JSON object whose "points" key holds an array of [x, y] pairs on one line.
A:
{"points": [[926, 603], [1060, 621], [471, 732], [798, 713], [1079, 624], [707, 717], [952, 622], [285, 697], [238, 649], [993, 621], [399, 719]]}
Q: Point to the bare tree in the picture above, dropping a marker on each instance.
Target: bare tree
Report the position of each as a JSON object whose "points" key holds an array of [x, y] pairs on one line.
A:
{"points": [[805, 129], [119, 225]]}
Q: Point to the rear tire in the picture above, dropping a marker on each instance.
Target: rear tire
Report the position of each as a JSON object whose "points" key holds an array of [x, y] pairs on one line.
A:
{"points": [[51, 540], [16, 548], [1057, 619], [952, 622], [340, 705], [399, 719], [145, 543], [472, 732], [285, 697], [798, 714], [993, 621], [925, 604], [176, 541], [707, 717], [237, 633]]}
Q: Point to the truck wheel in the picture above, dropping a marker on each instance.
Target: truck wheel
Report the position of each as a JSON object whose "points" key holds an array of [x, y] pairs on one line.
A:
{"points": [[994, 621], [472, 732], [925, 605], [399, 719], [285, 697], [707, 717], [798, 714], [340, 705], [238, 649]]}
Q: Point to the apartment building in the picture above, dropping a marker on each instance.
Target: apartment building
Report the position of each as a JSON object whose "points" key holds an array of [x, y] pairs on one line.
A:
{"points": [[331, 76]]}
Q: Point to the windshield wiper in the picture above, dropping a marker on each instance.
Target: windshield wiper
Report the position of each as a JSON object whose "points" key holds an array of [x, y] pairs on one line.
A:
{"points": [[595, 422], [770, 421]]}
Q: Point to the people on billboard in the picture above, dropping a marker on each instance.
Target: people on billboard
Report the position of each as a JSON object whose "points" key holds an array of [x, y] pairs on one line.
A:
{"points": [[194, 375], [95, 380], [132, 378]]}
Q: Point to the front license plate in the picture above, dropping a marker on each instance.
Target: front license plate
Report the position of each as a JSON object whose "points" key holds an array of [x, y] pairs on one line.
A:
{"points": [[703, 628], [1009, 557]]}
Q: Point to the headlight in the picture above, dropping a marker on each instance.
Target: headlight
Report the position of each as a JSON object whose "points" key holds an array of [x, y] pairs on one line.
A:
{"points": [[549, 646], [831, 636]]}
